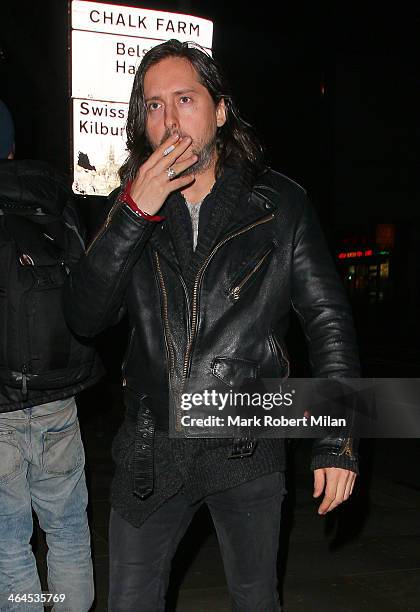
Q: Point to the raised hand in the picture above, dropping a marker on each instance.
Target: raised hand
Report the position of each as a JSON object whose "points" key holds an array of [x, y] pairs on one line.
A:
{"points": [[158, 176]]}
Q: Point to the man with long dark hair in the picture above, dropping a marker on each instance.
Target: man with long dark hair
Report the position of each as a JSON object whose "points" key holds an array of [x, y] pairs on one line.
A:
{"points": [[208, 250]]}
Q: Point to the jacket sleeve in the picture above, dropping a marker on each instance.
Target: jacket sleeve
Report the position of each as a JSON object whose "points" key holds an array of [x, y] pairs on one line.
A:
{"points": [[94, 294], [319, 299]]}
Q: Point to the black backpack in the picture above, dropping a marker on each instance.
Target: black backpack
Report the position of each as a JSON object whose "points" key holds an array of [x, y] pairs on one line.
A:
{"points": [[37, 349]]}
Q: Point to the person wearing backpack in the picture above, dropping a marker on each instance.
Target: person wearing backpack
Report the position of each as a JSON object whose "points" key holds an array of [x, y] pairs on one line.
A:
{"points": [[42, 366]]}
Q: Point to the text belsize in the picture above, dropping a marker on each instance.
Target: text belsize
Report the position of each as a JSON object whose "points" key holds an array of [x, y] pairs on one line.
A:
{"points": [[144, 23]]}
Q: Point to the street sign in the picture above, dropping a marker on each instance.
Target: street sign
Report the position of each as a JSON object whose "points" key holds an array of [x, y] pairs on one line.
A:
{"points": [[107, 44], [140, 22]]}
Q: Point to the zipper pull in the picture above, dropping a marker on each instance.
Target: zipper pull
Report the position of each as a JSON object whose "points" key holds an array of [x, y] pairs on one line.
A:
{"points": [[235, 293], [348, 448]]}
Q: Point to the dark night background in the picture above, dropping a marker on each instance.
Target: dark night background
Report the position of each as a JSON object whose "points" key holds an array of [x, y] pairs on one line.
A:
{"points": [[334, 93]]}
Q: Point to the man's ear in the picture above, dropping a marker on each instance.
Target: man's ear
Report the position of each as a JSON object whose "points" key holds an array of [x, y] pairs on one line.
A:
{"points": [[221, 113]]}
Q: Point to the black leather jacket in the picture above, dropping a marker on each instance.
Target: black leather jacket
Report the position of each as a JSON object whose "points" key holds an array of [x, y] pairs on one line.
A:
{"points": [[270, 257]]}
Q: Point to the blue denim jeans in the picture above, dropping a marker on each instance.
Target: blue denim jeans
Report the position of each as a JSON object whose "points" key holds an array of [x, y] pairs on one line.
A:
{"points": [[42, 467], [247, 523]]}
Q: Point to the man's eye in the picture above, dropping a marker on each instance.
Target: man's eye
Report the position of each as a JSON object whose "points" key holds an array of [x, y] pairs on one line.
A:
{"points": [[152, 106], [185, 99]]}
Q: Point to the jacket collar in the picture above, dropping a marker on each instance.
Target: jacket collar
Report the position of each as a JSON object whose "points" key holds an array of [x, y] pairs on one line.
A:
{"points": [[239, 201]]}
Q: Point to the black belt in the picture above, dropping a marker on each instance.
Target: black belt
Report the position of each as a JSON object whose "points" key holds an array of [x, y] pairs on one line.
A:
{"points": [[243, 445], [143, 450]]}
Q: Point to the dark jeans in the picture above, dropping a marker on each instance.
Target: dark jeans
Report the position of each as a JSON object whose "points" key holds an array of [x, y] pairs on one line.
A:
{"points": [[247, 522]]}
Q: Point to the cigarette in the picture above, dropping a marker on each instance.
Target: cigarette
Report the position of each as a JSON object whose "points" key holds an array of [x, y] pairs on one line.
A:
{"points": [[168, 150]]}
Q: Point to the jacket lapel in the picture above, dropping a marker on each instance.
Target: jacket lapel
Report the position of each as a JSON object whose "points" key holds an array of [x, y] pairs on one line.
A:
{"points": [[162, 242], [236, 205], [255, 208]]}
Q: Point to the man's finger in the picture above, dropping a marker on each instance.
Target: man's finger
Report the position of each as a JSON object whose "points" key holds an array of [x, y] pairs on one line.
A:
{"points": [[182, 181], [349, 486], [167, 145], [339, 492], [159, 152], [330, 491], [319, 482], [181, 166], [162, 163], [179, 148], [352, 484]]}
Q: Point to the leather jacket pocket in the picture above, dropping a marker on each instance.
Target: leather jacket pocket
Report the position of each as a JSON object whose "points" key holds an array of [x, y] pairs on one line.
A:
{"points": [[280, 355], [247, 274], [233, 371]]}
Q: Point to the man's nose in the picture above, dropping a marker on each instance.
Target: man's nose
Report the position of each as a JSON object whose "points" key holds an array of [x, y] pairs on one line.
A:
{"points": [[171, 118]]}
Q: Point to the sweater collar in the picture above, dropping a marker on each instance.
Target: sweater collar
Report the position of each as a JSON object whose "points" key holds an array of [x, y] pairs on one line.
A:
{"points": [[233, 206]]}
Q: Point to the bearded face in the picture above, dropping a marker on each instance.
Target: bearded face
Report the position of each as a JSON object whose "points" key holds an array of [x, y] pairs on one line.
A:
{"points": [[176, 101]]}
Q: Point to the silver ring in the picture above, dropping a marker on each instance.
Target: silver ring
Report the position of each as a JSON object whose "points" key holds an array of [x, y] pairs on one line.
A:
{"points": [[171, 173]]}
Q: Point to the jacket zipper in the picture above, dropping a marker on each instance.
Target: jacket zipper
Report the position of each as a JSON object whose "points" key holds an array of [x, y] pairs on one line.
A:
{"points": [[124, 364], [348, 446], [169, 347], [192, 330], [198, 278], [234, 293], [168, 343], [347, 449], [111, 213]]}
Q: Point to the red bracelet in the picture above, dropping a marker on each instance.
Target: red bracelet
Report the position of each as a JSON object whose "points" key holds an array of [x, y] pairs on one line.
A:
{"points": [[126, 197]]}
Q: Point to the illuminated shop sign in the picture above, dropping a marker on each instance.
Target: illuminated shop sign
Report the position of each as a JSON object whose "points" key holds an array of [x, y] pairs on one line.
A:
{"points": [[365, 253], [352, 254], [108, 42]]}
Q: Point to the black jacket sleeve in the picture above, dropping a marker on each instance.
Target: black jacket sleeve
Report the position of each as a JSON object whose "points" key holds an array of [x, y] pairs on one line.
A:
{"points": [[319, 299], [95, 290]]}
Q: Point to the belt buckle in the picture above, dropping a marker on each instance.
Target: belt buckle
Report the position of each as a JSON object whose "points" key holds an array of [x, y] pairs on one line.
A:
{"points": [[242, 447]]}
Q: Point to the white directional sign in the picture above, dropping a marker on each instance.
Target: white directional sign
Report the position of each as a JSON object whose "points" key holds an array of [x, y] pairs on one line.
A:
{"points": [[140, 23], [106, 72], [107, 44]]}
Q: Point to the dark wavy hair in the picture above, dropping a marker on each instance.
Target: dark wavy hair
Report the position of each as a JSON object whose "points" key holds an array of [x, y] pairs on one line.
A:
{"points": [[236, 140]]}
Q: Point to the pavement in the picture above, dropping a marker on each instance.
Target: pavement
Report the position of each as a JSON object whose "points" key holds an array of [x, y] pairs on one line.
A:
{"points": [[363, 557]]}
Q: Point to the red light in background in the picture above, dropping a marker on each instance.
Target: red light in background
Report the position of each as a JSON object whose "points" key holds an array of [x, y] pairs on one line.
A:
{"points": [[351, 254]]}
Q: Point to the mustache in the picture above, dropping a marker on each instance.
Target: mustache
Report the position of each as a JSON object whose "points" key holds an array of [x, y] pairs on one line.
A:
{"points": [[169, 133]]}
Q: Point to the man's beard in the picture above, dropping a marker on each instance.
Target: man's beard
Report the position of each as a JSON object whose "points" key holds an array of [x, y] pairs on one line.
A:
{"points": [[206, 154]]}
